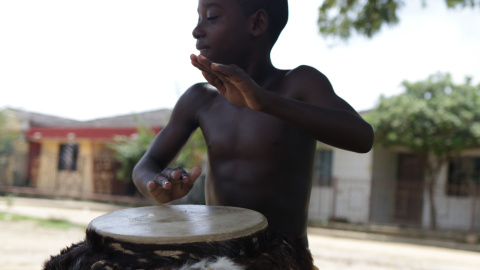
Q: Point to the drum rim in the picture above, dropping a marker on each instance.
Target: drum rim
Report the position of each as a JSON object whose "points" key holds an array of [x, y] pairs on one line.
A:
{"points": [[101, 226]]}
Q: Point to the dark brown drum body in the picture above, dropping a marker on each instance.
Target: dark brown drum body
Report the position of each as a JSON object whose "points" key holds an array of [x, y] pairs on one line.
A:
{"points": [[182, 237]]}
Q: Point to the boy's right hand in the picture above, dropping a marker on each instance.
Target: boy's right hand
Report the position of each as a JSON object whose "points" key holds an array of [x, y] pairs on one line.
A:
{"points": [[172, 184]]}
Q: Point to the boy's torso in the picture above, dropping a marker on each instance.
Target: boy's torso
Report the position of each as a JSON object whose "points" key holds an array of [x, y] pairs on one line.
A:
{"points": [[258, 162]]}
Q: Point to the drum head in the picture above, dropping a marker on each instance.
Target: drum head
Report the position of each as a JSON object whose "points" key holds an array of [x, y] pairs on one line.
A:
{"points": [[178, 224]]}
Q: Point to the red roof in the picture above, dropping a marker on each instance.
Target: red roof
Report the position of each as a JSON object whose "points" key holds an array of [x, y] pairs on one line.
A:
{"points": [[94, 133]]}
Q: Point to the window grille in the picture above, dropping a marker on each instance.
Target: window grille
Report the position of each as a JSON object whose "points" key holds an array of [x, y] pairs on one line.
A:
{"points": [[463, 175], [323, 165], [67, 158]]}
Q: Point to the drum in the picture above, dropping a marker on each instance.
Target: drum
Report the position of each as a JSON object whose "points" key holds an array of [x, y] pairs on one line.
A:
{"points": [[182, 237]]}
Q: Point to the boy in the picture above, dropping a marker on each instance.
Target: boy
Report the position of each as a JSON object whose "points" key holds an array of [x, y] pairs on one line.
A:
{"points": [[260, 124]]}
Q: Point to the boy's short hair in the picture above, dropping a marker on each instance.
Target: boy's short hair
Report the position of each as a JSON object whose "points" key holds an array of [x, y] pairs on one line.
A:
{"points": [[277, 11]]}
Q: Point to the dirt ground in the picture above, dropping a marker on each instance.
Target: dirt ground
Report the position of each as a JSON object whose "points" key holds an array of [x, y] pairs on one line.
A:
{"points": [[25, 245]]}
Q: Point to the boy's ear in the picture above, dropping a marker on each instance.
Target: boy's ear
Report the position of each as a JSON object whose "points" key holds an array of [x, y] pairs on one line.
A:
{"points": [[260, 23]]}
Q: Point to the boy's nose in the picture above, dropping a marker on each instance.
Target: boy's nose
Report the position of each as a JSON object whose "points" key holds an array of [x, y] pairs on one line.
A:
{"points": [[198, 32]]}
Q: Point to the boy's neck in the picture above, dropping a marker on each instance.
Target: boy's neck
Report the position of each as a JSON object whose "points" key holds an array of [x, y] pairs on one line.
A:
{"points": [[262, 71]]}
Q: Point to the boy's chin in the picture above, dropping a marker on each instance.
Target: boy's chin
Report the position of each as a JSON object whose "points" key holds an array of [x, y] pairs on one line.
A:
{"points": [[220, 60], [207, 54]]}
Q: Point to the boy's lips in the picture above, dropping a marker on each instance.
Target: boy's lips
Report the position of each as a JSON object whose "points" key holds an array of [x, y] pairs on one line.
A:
{"points": [[203, 49]]}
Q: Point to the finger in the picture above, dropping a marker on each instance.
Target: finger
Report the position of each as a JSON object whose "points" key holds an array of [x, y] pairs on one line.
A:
{"points": [[208, 74], [195, 173], [204, 61], [207, 65], [232, 72], [165, 184], [213, 80], [201, 65], [196, 64], [172, 174], [151, 186], [157, 184], [192, 176]]}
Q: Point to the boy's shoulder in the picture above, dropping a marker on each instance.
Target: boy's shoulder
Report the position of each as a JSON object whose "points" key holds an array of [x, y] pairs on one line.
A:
{"points": [[195, 98], [308, 78], [306, 73], [200, 92], [201, 87]]}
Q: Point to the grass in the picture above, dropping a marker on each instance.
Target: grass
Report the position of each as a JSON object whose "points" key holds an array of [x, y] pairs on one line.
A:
{"points": [[53, 223]]}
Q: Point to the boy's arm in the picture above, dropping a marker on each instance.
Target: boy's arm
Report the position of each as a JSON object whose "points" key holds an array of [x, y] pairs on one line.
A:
{"points": [[320, 112], [151, 175], [317, 110]]}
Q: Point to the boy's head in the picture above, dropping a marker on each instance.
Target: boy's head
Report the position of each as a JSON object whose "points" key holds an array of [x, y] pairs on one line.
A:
{"points": [[277, 11], [226, 28]]}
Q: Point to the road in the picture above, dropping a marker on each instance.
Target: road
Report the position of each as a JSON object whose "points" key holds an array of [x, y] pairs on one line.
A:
{"points": [[360, 254], [25, 245]]}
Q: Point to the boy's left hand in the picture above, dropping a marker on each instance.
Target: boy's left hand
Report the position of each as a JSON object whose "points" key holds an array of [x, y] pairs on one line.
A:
{"points": [[231, 81]]}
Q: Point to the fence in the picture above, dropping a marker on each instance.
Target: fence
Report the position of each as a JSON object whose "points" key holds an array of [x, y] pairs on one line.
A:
{"points": [[363, 201]]}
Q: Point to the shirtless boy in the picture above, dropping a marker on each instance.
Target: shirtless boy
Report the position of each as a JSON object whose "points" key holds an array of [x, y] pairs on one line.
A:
{"points": [[261, 124]]}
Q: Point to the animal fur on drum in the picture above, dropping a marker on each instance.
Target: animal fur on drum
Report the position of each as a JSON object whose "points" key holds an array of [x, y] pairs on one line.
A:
{"points": [[215, 264], [259, 251]]}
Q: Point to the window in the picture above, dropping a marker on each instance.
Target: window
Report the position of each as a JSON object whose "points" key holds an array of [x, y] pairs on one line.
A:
{"points": [[67, 158], [323, 168], [463, 176]]}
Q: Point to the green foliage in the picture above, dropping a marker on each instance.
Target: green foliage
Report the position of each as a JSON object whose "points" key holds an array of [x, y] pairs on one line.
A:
{"points": [[6, 137], [339, 18], [433, 117], [193, 153], [129, 150], [53, 223]]}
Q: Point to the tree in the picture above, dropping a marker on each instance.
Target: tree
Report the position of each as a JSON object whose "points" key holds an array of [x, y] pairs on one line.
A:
{"points": [[128, 151], [339, 18], [193, 153], [7, 138], [435, 119]]}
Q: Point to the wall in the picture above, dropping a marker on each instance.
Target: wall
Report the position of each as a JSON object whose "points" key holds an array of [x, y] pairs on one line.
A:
{"points": [[382, 204], [321, 204], [353, 174], [453, 213], [65, 182], [47, 172], [348, 199]]}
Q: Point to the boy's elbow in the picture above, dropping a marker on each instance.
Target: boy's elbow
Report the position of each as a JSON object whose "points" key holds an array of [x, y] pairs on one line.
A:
{"points": [[135, 174], [367, 142]]}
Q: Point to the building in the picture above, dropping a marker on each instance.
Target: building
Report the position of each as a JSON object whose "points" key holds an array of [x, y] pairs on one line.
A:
{"points": [[70, 158], [387, 186]]}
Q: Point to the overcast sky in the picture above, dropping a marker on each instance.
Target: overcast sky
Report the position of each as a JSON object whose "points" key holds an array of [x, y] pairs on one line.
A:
{"points": [[98, 58]]}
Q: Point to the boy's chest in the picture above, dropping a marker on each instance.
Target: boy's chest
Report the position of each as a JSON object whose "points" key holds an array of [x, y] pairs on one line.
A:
{"points": [[231, 130]]}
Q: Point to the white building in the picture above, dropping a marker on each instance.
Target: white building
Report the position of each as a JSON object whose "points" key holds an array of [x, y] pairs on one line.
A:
{"points": [[387, 187]]}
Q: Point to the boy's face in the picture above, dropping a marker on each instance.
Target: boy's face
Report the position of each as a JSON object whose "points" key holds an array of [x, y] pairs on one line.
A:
{"points": [[222, 31]]}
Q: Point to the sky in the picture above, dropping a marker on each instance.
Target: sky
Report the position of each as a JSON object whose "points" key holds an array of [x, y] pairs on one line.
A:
{"points": [[100, 58]]}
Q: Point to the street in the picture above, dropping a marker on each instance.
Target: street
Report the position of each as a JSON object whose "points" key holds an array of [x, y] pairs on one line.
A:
{"points": [[360, 254]]}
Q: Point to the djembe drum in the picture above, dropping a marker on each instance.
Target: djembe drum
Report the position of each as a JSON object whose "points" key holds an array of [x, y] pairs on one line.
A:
{"points": [[182, 237]]}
